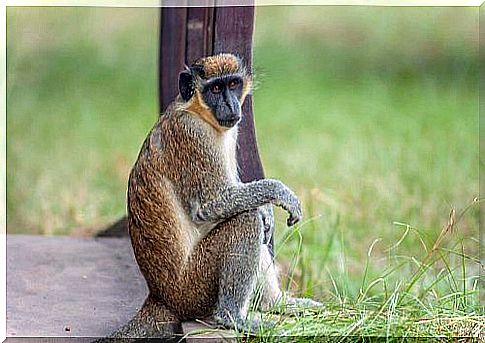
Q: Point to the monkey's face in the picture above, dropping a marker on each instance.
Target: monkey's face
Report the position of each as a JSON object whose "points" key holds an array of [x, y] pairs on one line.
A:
{"points": [[214, 88], [222, 95]]}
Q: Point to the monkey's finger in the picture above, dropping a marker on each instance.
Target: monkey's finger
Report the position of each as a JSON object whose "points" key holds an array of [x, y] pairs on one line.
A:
{"points": [[292, 220]]}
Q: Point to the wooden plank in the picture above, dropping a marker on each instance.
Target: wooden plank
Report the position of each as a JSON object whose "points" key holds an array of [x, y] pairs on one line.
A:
{"points": [[172, 52], [234, 31], [66, 287], [200, 29]]}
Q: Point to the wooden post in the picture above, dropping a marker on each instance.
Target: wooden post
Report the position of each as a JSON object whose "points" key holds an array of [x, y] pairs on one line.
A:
{"points": [[187, 33], [172, 52]]}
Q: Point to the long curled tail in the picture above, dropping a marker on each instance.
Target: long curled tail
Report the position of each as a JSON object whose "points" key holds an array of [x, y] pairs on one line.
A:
{"points": [[153, 320]]}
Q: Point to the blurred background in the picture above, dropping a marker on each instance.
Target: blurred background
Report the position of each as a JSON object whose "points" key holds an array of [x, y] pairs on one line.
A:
{"points": [[369, 113]]}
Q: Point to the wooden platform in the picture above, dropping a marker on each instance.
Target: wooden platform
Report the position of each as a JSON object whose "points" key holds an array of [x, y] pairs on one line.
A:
{"points": [[73, 287], [62, 286]]}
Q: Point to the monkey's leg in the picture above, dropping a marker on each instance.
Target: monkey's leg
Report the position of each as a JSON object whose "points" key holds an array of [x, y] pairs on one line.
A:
{"points": [[238, 270], [218, 278], [271, 294]]}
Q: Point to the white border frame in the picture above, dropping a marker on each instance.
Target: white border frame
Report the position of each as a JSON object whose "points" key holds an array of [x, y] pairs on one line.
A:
{"points": [[136, 3]]}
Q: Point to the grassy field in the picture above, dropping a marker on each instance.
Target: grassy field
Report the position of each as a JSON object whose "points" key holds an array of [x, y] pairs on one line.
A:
{"points": [[369, 114]]}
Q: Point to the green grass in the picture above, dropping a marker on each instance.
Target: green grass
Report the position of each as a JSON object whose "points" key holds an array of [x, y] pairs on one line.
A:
{"points": [[80, 99], [369, 114]]}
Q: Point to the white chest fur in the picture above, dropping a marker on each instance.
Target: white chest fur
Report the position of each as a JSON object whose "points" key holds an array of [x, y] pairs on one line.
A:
{"points": [[228, 142]]}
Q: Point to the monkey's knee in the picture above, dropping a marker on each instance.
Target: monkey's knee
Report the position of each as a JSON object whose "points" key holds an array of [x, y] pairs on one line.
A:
{"points": [[244, 245]]}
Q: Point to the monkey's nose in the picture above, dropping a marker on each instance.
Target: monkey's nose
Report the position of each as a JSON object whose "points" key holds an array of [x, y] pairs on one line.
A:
{"points": [[233, 104], [230, 121]]}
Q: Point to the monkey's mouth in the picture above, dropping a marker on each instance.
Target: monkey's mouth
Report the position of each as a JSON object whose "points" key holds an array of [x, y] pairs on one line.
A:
{"points": [[229, 122]]}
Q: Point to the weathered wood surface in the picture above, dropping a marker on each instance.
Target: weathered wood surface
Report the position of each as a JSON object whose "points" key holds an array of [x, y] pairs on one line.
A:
{"points": [[200, 32], [172, 52], [71, 287], [61, 286]]}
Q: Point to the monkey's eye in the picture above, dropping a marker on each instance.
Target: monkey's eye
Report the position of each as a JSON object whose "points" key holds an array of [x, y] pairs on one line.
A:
{"points": [[216, 89], [233, 84]]}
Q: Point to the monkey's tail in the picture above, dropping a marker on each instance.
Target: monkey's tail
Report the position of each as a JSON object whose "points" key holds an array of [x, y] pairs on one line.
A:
{"points": [[153, 320]]}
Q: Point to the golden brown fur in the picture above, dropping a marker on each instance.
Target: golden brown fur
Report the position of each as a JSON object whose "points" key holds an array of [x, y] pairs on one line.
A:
{"points": [[219, 65]]}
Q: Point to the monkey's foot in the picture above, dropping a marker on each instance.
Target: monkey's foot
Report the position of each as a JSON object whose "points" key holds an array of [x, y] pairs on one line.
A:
{"points": [[303, 302], [292, 306], [253, 326]]}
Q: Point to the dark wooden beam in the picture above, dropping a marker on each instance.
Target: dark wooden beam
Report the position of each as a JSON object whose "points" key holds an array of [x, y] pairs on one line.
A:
{"points": [[200, 32], [172, 52]]}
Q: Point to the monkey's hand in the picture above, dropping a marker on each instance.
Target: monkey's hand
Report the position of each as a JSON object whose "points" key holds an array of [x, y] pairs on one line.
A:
{"points": [[286, 199], [202, 216], [250, 196]]}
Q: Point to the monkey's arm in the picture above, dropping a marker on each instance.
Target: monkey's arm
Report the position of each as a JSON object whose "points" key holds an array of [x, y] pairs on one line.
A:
{"points": [[247, 196]]}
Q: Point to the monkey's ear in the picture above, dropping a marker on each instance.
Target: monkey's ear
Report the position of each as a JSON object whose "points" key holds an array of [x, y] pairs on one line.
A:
{"points": [[186, 85]]}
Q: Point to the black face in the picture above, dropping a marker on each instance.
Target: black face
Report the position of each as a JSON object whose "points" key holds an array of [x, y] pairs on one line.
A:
{"points": [[222, 95]]}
